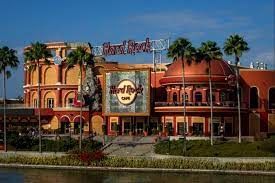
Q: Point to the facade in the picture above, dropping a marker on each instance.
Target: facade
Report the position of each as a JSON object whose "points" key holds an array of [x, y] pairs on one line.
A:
{"points": [[137, 101]]}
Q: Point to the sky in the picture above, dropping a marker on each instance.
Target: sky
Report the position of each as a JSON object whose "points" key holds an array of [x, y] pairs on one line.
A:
{"points": [[23, 22]]}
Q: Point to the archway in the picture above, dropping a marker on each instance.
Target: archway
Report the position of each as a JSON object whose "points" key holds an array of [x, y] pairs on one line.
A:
{"points": [[77, 124], [65, 125]]}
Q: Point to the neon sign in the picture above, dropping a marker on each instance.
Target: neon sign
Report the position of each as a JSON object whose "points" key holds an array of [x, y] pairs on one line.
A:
{"points": [[127, 47]]}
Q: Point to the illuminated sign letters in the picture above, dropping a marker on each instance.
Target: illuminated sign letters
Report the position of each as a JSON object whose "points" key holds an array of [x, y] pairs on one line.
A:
{"points": [[127, 47]]}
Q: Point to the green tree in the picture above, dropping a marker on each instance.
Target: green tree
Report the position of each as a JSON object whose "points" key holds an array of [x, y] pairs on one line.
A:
{"points": [[235, 45], [9, 59], [81, 57], [208, 52], [182, 49], [35, 56]]}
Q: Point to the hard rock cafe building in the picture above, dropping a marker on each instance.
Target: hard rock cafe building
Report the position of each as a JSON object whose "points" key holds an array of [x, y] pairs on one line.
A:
{"points": [[137, 100]]}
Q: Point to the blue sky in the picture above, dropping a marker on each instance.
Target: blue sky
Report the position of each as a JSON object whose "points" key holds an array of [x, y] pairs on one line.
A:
{"points": [[26, 21]]}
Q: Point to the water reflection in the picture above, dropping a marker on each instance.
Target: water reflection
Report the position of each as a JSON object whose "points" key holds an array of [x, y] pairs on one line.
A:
{"points": [[72, 176]]}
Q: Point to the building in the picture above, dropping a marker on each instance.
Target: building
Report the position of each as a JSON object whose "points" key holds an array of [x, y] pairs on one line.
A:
{"points": [[160, 94]]}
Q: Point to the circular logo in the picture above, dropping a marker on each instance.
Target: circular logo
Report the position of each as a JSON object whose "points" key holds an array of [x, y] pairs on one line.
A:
{"points": [[127, 92], [57, 60]]}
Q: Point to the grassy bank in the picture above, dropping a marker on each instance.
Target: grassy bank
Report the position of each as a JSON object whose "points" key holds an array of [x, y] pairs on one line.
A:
{"points": [[201, 148], [139, 163]]}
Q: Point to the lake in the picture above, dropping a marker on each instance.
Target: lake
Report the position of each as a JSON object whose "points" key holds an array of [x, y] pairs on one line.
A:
{"points": [[12, 175]]}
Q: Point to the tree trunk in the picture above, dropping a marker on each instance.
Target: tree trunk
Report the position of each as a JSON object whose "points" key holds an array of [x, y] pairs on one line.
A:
{"points": [[39, 107], [238, 98], [184, 109], [4, 99], [211, 102], [81, 98]]}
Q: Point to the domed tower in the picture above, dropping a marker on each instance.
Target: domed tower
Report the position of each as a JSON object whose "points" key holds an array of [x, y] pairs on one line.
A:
{"points": [[198, 98]]}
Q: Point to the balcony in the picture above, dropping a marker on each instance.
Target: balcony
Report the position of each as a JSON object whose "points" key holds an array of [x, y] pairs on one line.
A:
{"points": [[22, 110], [221, 104], [228, 106]]}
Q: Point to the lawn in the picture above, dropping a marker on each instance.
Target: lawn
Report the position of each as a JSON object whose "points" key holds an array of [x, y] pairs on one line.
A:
{"points": [[202, 148]]}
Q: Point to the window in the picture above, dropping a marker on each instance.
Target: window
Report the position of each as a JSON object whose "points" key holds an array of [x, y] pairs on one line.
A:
{"points": [[254, 98], [223, 97], [35, 103], [53, 52], [198, 97], [175, 97], [186, 97], [213, 97], [68, 51], [114, 126], [271, 97], [70, 102], [50, 103]]}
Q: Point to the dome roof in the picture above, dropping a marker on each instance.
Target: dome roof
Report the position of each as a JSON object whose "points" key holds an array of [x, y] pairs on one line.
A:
{"points": [[197, 72]]}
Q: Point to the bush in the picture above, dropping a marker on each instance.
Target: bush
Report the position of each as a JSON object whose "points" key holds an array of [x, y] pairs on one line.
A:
{"points": [[87, 157]]}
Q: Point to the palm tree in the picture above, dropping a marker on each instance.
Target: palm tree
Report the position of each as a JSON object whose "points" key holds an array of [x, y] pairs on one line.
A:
{"points": [[8, 58], [36, 53], [182, 49], [81, 57], [209, 51], [235, 45]]}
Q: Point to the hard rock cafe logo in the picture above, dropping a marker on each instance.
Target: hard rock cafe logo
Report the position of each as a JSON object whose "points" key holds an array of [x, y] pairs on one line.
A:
{"points": [[126, 91], [127, 47]]}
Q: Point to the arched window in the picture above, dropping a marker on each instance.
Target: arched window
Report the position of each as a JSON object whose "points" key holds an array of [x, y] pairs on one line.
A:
{"points": [[271, 97], [254, 98], [198, 97], [175, 97], [186, 97]]}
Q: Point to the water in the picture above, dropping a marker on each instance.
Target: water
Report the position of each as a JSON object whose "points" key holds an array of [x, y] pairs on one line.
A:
{"points": [[8, 175]]}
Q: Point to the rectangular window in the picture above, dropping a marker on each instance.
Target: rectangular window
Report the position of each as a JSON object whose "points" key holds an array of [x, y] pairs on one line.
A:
{"points": [[70, 102], [50, 103], [35, 104], [113, 126], [53, 52]]}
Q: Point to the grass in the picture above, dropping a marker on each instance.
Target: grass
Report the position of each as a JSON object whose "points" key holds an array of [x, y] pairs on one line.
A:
{"points": [[171, 163], [202, 148]]}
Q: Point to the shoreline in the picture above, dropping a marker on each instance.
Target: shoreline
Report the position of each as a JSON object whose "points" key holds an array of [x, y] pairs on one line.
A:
{"points": [[160, 170]]}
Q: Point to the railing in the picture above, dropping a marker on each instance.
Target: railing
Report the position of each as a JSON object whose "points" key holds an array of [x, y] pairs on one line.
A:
{"points": [[15, 106], [201, 104]]}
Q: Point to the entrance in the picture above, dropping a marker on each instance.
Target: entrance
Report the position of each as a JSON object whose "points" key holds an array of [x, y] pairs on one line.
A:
{"points": [[181, 128], [198, 129], [65, 125], [65, 128], [169, 128], [228, 129], [139, 128], [127, 128]]}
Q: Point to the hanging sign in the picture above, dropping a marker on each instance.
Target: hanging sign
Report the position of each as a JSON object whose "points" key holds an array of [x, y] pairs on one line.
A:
{"points": [[126, 47]]}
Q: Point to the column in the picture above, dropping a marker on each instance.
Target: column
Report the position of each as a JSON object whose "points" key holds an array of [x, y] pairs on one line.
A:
{"points": [[59, 74], [58, 98], [204, 95]]}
